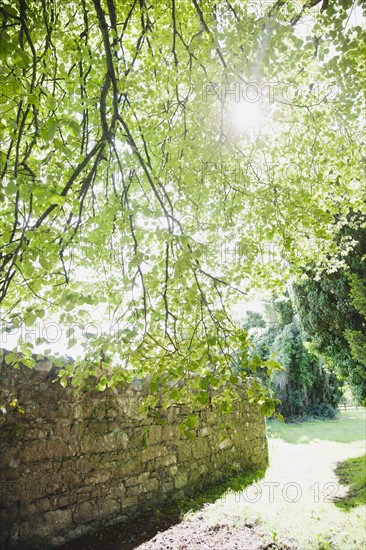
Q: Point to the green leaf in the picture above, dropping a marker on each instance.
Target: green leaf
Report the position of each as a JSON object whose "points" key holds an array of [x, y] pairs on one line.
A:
{"points": [[48, 131], [154, 386], [267, 408], [205, 383], [10, 358], [191, 421], [203, 398], [73, 126], [103, 384], [57, 199]]}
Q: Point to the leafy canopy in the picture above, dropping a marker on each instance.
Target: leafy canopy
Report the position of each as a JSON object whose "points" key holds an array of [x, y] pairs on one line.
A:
{"points": [[129, 178]]}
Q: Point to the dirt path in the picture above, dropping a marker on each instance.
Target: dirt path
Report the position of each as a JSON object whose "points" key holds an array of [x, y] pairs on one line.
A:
{"points": [[198, 535], [167, 532]]}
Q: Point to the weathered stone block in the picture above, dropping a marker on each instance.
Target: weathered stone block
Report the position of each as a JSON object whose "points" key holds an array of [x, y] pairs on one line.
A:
{"points": [[109, 507], [43, 526], [85, 512], [167, 460], [45, 450], [184, 451], [118, 491], [152, 452], [137, 480], [154, 434], [98, 476], [150, 485], [129, 502], [133, 490], [180, 480], [169, 432], [200, 448]]}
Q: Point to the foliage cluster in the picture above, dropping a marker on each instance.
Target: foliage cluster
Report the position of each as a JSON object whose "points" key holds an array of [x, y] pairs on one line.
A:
{"points": [[121, 166], [305, 385], [332, 308]]}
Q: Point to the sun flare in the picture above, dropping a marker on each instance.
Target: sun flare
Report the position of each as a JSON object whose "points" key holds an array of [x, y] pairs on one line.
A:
{"points": [[245, 116]]}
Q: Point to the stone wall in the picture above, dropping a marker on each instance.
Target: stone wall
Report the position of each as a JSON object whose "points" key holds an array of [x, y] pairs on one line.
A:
{"points": [[71, 465]]}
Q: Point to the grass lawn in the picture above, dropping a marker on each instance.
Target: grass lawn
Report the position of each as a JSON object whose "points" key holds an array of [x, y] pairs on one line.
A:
{"points": [[295, 501], [348, 427]]}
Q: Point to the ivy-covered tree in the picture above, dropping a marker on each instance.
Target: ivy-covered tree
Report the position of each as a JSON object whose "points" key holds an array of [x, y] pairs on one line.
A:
{"points": [[305, 386], [332, 310], [253, 319], [357, 338], [138, 134]]}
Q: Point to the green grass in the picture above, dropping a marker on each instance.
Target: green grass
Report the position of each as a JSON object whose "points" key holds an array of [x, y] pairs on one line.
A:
{"points": [[304, 456], [347, 427], [352, 472]]}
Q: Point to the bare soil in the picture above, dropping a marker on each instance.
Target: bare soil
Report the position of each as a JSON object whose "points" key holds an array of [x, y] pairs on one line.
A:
{"points": [[195, 534], [166, 532]]}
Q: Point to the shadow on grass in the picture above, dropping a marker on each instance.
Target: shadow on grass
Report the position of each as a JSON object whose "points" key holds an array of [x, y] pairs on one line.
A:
{"points": [[213, 492], [346, 427], [130, 534], [352, 472]]}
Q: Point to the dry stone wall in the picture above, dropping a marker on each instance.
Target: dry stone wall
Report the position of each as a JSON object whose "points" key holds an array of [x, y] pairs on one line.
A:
{"points": [[69, 466]]}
